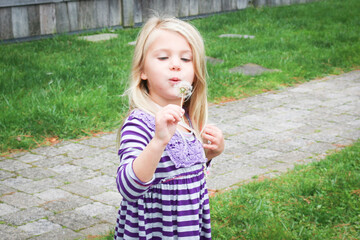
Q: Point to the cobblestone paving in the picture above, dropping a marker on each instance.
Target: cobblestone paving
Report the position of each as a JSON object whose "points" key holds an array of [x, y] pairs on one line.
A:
{"points": [[68, 191]]}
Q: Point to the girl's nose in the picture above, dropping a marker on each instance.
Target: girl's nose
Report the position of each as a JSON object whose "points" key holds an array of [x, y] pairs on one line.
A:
{"points": [[175, 65]]}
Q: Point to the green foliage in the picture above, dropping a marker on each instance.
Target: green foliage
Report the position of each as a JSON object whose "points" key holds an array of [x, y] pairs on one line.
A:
{"points": [[67, 88]]}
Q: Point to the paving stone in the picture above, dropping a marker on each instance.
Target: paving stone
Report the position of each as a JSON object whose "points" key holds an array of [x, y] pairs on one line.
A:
{"points": [[30, 214], [59, 234], [110, 171], [6, 190], [236, 36], [73, 220], [49, 151], [265, 153], [53, 194], [12, 233], [36, 173], [29, 158], [98, 142], [50, 162], [98, 229], [102, 181], [110, 155], [39, 227], [6, 174], [352, 135], [7, 209], [40, 185], [13, 165], [317, 148], [75, 150], [84, 189], [254, 138], [99, 37], [21, 200], [66, 168], [109, 136], [109, 216], [77, 175], [16, 182], [110, 198], [277, 127], [251, 69], [94, 209], [93, 163], [65, 204], [214, 61]]}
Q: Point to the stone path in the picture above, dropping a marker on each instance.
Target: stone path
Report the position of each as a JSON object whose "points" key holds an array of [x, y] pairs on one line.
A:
{"points": [[68, 191]]}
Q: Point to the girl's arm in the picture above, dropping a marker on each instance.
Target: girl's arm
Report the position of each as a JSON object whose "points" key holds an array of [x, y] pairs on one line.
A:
{"points": [[214, 143], [166, 121], [140, 152]]}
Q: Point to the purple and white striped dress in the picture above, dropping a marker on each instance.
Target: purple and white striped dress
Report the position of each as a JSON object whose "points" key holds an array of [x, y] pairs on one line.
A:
{"points": [[175, 203]]}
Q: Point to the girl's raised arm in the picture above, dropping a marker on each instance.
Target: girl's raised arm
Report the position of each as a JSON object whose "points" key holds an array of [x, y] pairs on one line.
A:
{"points": [[166, 121]]}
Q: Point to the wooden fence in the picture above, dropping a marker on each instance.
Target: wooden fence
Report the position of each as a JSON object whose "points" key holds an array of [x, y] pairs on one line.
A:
{"points": [[27, 19]]}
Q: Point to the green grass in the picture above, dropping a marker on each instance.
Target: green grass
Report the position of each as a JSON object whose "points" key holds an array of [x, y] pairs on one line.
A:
{"points": [[68, 88], [314, 201]]}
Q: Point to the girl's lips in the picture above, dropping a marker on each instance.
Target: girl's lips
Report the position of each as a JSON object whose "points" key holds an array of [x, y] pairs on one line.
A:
{"points": [[175, 80]]}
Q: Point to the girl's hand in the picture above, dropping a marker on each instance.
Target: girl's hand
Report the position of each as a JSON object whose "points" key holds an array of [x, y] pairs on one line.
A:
{"points": [[166, 121], [214, 143]]}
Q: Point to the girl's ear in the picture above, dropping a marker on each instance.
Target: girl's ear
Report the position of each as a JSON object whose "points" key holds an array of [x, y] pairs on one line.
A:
{"points": [[143, 76]]}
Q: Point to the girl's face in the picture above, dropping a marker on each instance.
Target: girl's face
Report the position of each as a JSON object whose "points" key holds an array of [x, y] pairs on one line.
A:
{"points": [[168, 61]]}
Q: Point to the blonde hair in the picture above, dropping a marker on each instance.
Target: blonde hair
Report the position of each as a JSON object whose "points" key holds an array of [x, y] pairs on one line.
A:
{"points": [[138, 92]]}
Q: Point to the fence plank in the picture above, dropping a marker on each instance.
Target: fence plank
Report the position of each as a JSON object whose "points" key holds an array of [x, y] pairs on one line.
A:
{"points": [[6, 31], [216, 6], [73, 8], [259, 3], [194, 7], [47, 19], [115, 12], [20, 24], [102, 13], [86, 15], [241, 4], [13, 3], [170, 8], [205, 6], [184, 8], [286, 2], [128, 13], [62, 18], [226, 5], [137, 11], [34, 20]]}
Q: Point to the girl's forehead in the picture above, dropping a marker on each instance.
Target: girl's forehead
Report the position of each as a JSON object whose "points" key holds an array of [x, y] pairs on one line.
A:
{"points": [[161, 38]]}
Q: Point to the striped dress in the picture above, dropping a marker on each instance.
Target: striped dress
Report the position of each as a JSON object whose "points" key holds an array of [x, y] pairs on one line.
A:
{"points": [[175, 203]]}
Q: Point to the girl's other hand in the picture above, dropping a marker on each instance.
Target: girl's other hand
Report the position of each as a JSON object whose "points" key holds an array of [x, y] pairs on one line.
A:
{"points": [[214, 142], [166, 121]]}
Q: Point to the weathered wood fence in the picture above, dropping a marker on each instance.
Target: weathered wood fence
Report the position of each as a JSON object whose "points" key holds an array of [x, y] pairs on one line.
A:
{"points": [[26, 19]]}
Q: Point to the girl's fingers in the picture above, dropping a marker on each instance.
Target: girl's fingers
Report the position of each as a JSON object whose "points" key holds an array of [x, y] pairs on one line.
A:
{"points": [[208, 138]]}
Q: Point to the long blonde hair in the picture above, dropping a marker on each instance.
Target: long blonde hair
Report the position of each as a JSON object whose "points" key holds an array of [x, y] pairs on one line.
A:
{"points": [[138, 92]]}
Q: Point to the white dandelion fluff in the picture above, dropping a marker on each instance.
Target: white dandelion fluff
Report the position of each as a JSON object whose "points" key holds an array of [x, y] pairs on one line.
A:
{"points": [[184, 90]]}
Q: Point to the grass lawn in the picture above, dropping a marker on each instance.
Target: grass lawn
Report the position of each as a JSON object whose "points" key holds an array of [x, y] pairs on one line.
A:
{"points": [[63, 88]]}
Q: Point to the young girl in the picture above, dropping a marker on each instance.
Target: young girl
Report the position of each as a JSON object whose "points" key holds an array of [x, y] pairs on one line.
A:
{"points": [[164, 147]]}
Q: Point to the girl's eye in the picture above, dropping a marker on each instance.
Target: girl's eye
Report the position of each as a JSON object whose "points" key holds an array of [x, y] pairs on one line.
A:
{"points": [[186, 59], [162, 58]]}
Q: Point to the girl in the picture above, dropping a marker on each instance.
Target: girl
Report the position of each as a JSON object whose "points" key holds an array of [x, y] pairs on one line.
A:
{"points": [[162, 157]]}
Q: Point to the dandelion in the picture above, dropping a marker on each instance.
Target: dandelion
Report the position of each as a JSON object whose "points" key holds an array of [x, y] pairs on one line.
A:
{"points": [[184, 91]]}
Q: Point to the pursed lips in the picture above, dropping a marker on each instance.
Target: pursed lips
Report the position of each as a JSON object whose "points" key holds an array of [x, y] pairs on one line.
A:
{"points": [[175, 80]]}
